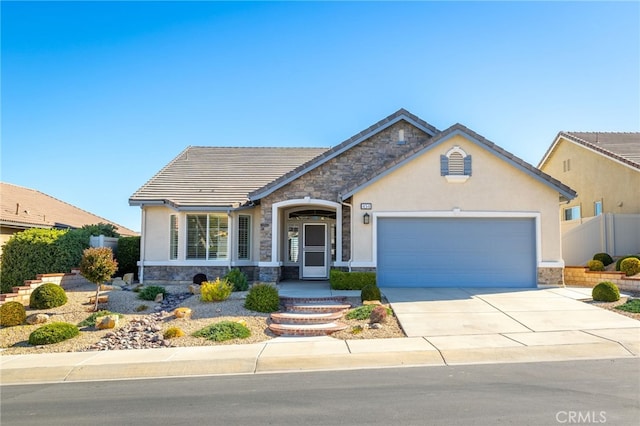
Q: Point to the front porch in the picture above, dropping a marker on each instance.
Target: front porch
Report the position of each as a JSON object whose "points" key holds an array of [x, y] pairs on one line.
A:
{"points": [[310, 289]]}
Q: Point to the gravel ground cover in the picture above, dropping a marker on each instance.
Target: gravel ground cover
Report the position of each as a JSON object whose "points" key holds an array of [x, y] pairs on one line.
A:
{"points": [[145, 327]]}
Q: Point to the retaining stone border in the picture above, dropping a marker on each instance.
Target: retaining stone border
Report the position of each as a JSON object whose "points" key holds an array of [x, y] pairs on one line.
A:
{"points": [[582, 276], [22, 293]]}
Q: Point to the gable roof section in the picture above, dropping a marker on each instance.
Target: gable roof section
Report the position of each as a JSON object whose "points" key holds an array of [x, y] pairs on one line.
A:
{"points": [[623, 147], [218, 177], [381, 125], [459, 129], [24, 208]]}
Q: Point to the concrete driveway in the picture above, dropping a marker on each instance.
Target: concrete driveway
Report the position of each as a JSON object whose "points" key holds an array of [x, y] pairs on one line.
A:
{"points": [[459, 318]]}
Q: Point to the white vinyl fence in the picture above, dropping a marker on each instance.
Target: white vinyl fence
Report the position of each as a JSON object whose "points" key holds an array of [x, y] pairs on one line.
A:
{"points": [[102, 241], [616, 234]]}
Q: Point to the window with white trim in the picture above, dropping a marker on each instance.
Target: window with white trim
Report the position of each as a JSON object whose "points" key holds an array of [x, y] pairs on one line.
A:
{"points": [[207, 236], [244, 237], [572, 213], [173, 237], [455, 165]]}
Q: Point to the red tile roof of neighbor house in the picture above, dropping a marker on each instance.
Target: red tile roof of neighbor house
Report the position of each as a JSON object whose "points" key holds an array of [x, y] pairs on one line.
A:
{"points": [[24, 208], [620, 146]]}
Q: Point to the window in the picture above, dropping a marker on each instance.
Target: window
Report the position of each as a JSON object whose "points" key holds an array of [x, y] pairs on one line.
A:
{"points": [[244, 237], [207, 236], [597, 208], [292, 243], [173, 237], [572, 213], [566, 165], [455, 165]]}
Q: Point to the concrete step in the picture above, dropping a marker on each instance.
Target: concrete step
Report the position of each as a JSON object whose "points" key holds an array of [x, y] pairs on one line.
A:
{"points": [[305, 317], [317, 307], [306, 330], [288, 300]]}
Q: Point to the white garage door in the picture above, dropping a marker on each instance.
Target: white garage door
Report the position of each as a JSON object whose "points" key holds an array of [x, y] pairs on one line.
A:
{"points": [[456, 252]]}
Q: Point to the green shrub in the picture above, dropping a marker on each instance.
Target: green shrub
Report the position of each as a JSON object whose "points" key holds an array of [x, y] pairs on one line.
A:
{"points": [[12, 313], [238, 279], [97, 266], [370, 292], [215, 291], [262, 298], [619, 261], [595, 265], [173, 332], [606, 291], [128, 255], [48, 295], [101, 228], [91, 320], [53, 333], [40, 251], [225, 330], [631, 305], [340, 280], [630, 266], [364, 312], [150, 292], [604, 258]]}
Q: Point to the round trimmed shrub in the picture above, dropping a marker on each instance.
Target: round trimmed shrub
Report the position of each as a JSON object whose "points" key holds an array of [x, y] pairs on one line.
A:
{"points": [[619, 261], [48, 295], [595, 265], [604, 258], [370, 292], [12, 313], [53, 333], [630, 266], [150, 293], [262, 298], [173, 332], [215, 291], [238, 279], [606, 291]]}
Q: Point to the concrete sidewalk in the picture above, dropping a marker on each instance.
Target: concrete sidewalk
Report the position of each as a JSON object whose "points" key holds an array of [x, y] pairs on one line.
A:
{"points": [[445, 327]]}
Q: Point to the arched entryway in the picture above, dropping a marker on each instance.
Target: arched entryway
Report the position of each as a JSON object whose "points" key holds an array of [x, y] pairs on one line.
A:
{"points": [[308, 239]]}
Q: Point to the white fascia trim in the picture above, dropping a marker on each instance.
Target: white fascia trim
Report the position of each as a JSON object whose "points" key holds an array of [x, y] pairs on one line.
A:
{"points": [[457, 178], [460, 214], [275, 222]]}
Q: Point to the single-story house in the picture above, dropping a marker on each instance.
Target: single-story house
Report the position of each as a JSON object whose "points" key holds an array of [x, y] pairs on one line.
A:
{"points": [[419, 206]]}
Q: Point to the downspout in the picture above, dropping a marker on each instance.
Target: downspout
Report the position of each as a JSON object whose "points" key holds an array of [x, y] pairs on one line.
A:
{"points": [[350, 233], [229, 242], [142, 245]]}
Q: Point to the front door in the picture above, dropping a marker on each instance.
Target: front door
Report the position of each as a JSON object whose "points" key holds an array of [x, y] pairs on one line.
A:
{"points": [[314, 250]]}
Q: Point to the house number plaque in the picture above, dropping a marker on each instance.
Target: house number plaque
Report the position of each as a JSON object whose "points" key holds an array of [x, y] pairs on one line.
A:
{"points": [[366, 206]]}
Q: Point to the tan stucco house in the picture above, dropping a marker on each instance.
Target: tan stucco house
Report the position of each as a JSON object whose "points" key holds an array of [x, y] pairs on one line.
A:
{"points": [[604, 169], [420, 206]]}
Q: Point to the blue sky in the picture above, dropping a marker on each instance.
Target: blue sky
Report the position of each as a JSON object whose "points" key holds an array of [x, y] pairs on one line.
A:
{"points": [[98, 96]]}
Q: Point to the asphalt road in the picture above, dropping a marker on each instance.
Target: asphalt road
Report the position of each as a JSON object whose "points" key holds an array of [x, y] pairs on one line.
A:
{"points": [[579, 392]]}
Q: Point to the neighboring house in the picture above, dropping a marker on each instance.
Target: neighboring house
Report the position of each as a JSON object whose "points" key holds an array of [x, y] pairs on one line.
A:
{"points": [[420, 206], [604, 169], [24, 208]]}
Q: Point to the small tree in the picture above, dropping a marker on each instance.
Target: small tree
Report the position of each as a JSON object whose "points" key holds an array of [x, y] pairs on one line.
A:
{"points": [[97, 266]]}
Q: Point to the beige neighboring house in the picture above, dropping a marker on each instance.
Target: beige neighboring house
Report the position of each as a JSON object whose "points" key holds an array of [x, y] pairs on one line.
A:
{"points": [[604, 169], [24, 208], [421, 207]]}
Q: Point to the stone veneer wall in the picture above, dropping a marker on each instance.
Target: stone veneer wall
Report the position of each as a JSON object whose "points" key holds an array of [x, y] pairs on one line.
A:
{"points": [[550, 276], [336, 176], [185, 274], [581, 276]]}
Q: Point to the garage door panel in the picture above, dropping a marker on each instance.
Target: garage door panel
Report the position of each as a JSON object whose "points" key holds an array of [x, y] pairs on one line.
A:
{"points": [[456, 252]]}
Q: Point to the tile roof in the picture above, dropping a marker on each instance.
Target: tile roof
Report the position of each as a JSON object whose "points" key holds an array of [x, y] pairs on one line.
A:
{"points": [[620, 146], [219, 176], [28, 208], [483, 142]]}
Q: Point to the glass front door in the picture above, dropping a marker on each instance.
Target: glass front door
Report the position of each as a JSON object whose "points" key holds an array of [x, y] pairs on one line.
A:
{"points": [[314, 250]]}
